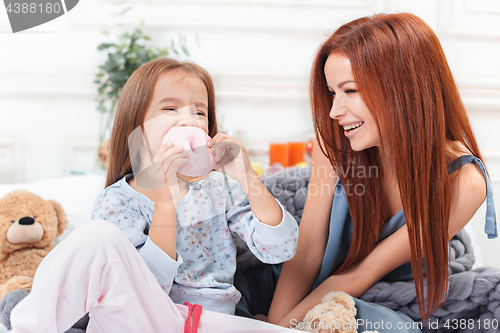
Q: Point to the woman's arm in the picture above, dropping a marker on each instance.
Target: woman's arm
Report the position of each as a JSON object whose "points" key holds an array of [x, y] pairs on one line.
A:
{"points": [[468, 191], [387, 256], [298, 274]]}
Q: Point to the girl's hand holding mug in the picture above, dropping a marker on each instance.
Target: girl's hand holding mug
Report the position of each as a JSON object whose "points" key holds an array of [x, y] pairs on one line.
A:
{"points": [[162, 173]]}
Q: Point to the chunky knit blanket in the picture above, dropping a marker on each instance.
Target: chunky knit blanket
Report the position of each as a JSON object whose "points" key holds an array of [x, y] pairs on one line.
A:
{"points": [[473, 303]]}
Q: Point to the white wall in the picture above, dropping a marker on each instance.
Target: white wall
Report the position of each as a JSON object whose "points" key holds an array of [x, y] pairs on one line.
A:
{"points": [[259, 53]]}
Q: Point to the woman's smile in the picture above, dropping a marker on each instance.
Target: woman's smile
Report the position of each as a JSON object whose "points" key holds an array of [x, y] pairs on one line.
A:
{"points": [[350, 130]]}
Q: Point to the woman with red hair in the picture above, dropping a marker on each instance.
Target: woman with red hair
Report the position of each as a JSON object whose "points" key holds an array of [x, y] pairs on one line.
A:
{"points": [[391, 178]]}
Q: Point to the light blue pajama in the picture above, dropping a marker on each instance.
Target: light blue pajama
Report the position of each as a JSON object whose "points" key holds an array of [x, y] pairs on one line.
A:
{"points": [[206, 254]]}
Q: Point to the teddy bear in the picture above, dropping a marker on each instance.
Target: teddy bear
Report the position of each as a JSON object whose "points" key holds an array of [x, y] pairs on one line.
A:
{"points": [[28, 226], [335, 314]]}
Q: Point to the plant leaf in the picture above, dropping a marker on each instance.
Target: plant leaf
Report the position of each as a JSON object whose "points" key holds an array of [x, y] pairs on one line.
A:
{"points": [[104, 46], [101, 108]]}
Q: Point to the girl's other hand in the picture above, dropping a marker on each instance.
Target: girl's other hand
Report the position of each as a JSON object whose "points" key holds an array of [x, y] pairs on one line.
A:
{"points": [[230, 156]]}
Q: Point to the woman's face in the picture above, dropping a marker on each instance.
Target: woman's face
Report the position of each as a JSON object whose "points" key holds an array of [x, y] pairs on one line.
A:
{"points": [[179, 99], [348, 107]]}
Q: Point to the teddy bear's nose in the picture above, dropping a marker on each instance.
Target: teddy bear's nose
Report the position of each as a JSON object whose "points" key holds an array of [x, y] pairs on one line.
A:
{"points": [[27, 221]]}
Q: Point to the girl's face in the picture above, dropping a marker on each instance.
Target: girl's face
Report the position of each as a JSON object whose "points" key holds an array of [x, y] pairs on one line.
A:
{"points": [[348, 108], [179, 99]]}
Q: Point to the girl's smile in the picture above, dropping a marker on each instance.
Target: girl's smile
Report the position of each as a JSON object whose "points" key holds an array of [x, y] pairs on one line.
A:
{"points": [[179, 99]]}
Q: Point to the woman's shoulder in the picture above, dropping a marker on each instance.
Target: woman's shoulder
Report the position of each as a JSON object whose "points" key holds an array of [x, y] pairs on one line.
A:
{"points": [[469, 184], [468, 189], [456, 149]]}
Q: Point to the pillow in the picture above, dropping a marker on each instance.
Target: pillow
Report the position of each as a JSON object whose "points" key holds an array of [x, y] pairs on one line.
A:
{"points": [[76, 194]]}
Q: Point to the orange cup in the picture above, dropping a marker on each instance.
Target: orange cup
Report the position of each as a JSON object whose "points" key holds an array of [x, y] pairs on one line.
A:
{"points": [[296, 152], [278, 152]]}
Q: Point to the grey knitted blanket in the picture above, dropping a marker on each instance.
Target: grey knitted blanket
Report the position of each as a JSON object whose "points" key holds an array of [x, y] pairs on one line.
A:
{"points": [[473, 303]]}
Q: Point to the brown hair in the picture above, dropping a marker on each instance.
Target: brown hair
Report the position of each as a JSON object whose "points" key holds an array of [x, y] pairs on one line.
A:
{"points": [[133, 104], [403, 77]]}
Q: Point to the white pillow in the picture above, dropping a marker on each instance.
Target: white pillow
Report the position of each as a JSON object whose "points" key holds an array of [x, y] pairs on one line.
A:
{"points": [[76, 194]]}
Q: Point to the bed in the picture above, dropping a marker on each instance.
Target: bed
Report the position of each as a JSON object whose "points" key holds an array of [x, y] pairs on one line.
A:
{"points": [[77, 194]]}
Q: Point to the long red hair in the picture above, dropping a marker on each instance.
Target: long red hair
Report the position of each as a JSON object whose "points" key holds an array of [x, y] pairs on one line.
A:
{"points": [[404, 79], [133, 104]]}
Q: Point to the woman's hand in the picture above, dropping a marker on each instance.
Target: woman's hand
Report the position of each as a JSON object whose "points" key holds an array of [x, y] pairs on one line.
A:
{"points": [[231, 156], [298, 274]]}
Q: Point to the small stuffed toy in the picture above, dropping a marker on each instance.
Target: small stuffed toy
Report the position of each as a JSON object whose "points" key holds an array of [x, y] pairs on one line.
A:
{"points": [[28, 226], [335, 314]]}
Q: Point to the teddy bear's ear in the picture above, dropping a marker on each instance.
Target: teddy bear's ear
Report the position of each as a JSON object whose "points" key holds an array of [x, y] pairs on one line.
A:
{"points": [[61, 216]]}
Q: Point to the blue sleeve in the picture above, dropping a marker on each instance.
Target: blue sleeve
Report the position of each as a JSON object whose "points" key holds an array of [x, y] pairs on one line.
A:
{"points": [[270, 244], [125, 212]]}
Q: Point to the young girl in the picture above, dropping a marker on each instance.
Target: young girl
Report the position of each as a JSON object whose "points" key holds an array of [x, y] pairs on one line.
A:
{"points": [[384, 100], [181, 232]]}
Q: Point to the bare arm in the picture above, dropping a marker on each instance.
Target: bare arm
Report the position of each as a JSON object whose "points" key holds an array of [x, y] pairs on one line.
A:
{"points": [[468, 192], [388, 255], [165, 193], [299, 273], [262, 203], [163, 230]]}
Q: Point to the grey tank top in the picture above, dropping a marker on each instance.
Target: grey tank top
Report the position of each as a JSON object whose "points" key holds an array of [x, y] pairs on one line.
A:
{"points": [[340, 234]]}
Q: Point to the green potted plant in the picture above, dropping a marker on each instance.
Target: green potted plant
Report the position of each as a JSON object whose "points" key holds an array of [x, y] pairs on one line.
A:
{"points": [[130, 52]]}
